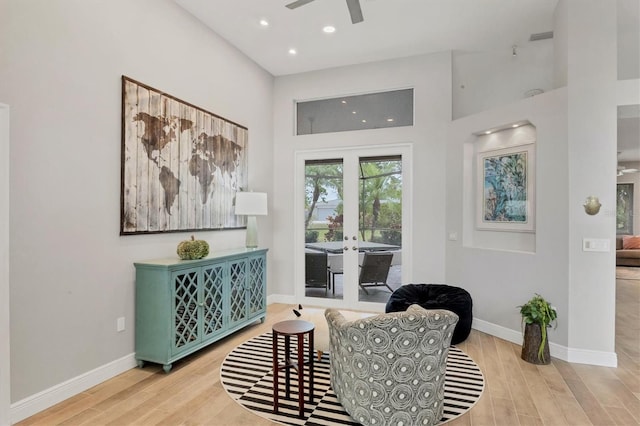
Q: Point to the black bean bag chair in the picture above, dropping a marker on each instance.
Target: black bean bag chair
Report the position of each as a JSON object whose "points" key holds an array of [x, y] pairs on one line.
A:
{"points": [[436, 296]]}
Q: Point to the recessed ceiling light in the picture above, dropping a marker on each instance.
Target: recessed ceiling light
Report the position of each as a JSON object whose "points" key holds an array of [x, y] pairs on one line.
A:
{"points": [[353, 112], [364, 121], [264, 22], [515, 125], [344, 102], [292, 51], [390, 120], [329, 29], [488, 132]]}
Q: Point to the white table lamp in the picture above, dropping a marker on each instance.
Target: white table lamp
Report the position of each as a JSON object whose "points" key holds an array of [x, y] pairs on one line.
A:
{"points": [[251, 204]]}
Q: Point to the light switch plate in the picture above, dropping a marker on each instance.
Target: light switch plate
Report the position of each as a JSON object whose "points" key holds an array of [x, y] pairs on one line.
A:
{"points": [[596, 244]]}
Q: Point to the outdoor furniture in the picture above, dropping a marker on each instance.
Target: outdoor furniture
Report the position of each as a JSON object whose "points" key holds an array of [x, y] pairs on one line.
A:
{"points": [[316, 271], [337, 247], [436, 296], [336, 267], [389, 369], [299, 329], [375, 270]]}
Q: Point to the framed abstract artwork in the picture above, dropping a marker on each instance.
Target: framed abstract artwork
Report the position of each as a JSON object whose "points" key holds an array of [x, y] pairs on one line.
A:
{"points": [[181, 165], [506, 189]]}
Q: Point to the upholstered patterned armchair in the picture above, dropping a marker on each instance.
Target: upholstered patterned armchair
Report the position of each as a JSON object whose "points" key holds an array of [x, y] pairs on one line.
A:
{"points": [[389, 369]]}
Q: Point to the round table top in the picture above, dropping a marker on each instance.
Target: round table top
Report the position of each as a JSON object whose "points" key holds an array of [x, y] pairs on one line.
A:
{"points": [[293, 327]]}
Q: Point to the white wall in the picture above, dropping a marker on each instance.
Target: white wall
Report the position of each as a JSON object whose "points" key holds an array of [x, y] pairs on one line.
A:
{"points": [[576, 158], [592, 122], [71, 273], [499, 280], [484, 80], [5, 390], [560, 45], [430, 76], [628, 19]]}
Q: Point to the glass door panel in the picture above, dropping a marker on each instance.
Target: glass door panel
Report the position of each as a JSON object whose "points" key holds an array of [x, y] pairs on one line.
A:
{"points": [[379, 227], [324, 228]]}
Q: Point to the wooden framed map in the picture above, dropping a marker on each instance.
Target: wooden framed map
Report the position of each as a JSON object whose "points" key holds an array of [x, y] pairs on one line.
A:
{"points": [[181, 165]]}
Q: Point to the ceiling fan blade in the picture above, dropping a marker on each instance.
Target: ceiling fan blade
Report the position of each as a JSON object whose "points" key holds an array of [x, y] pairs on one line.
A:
{"points": [[355, 11], [298, 3]]}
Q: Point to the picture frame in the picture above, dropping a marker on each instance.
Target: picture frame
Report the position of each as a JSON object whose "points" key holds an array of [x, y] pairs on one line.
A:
{"points": [[181, 165], [506, 189]]}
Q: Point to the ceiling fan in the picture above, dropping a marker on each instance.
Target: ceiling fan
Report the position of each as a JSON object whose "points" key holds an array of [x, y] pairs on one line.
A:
{"points": [[354, 8], [623, 170]]}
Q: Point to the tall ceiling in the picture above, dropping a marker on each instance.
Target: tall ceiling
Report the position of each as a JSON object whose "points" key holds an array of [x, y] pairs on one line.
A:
{"points": [[397, 28], [391, 28]]}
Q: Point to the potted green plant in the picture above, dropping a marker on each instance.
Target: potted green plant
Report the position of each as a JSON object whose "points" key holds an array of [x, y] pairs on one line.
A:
{"points": [[537, 316]]}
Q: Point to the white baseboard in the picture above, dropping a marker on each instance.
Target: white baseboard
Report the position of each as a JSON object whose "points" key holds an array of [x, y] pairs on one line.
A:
{"points": [[49, 397], [578, 356], [585, 356]]}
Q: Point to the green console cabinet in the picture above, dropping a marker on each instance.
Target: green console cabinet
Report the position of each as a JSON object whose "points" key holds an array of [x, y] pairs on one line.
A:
{"points": [[184, 305]]}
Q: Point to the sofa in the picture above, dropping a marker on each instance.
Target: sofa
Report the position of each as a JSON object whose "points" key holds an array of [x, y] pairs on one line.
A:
{"points": [[626, 252], [389, 369]]}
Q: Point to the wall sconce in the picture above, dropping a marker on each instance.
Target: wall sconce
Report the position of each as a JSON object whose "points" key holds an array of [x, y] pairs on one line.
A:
{"points": [[592, 205], [251, 204]]}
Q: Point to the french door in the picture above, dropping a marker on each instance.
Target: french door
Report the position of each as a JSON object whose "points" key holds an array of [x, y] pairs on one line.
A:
{"points": [[353, 208]]}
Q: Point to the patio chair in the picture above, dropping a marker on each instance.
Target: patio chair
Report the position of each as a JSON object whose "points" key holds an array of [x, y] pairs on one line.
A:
{"points": [[375, 270], [336, 267], [316, 270]]}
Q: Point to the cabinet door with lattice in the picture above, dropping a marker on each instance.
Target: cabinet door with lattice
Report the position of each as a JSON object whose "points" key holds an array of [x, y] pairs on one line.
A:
{"points": [[184, 310], [213, 306], [257, 287], [238, 291]]}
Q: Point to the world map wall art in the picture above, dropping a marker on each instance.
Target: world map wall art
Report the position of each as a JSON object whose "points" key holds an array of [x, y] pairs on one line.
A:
{"points": [[506, 189], [181, 165]]}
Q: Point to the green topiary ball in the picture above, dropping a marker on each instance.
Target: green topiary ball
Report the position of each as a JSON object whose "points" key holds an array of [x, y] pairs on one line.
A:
{"points": [[193, 249]]}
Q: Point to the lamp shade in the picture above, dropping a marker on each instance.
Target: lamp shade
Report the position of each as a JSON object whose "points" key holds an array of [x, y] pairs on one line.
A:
{"points": [[251, 203]]}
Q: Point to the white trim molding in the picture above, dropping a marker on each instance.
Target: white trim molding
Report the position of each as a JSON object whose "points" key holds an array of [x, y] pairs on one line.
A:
{"points": [[578, 356], [49, 397]]}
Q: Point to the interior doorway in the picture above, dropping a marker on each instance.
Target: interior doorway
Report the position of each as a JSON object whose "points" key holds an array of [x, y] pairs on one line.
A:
{"points": [[627, 329]]}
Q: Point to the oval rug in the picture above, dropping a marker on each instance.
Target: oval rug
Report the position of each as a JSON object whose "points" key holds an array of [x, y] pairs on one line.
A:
{"points": [[246, 374]]}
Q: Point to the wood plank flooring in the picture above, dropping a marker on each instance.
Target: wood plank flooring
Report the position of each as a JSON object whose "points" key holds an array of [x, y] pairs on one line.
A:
{"points": [[516, 393]]}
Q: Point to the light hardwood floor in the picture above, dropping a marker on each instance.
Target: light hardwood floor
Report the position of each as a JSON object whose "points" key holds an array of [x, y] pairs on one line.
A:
{"points": [[516, 393]]}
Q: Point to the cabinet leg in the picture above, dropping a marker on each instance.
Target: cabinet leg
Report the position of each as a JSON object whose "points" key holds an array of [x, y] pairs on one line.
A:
{"points": [[140, 363], [167, 368]]}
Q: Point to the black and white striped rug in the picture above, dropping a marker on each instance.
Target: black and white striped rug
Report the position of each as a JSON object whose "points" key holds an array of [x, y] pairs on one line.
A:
{"points": [[247, 376]]}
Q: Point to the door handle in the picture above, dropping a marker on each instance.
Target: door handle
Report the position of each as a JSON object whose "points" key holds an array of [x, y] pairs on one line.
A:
{"points": [[354, 248]]}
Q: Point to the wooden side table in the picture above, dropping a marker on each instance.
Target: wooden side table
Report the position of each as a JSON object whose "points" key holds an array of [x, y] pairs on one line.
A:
{"points": [[287, 329]]}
